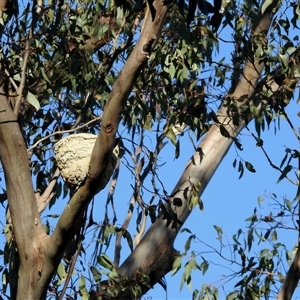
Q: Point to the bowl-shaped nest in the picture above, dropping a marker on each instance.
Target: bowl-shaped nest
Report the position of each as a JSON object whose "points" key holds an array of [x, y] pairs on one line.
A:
{"points": [[73, 154]]}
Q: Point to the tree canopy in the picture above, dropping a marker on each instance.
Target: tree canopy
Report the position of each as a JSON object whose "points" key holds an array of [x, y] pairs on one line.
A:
{"points": [[89, 88]]}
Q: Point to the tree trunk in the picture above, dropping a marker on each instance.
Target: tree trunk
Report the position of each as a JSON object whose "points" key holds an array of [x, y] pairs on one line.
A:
{"points": [[157, 242]]}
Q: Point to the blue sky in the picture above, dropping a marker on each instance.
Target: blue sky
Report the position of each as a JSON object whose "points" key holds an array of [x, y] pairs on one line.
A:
{"points": [[228, 201]]}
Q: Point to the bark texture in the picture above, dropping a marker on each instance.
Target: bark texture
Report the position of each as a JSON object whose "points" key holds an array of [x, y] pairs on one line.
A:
{"points": [[159, 239], [291, 279], [28, 230]]}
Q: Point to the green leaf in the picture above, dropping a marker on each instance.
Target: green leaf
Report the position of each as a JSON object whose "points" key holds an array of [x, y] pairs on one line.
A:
{"points": [[185, 72], [284, 60], [82, 288], [188, 243], [249, 166], [288, 204], [250, 238], [224, 132], [33, 101], [177, 149], [283, 160], [267, 234], [240, 283], [5, 276], [237, 144], [185, 230], [285, 171], [148, 123], [183, 280], [61, 271], [96, 274], [193, 201], [234, 163], [176, 265], [128, 237], [195, 294], [45, 75], [218, 229], [266, 4], [204, 266], [171, 70], [241, 170], [113, 274], [105, 262], [187, 271], [171, 135], [274, 235], [252, 218], [53, 216], [232, 296], [200, 204]]}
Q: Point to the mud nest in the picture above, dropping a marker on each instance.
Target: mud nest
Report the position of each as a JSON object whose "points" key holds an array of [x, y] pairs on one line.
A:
{"points": [[73, 154]]}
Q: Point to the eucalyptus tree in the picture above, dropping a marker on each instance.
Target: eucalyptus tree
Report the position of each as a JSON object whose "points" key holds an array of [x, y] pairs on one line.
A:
{"points": [[70, 68]]}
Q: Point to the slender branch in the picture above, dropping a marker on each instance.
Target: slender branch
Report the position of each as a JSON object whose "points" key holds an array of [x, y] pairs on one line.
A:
{"points": [[11, 80], [70, 219], [20, 90], [253, 67], [137, 195], [118, 247], [151, 163], [112, 188], [71, 269], [268, 157], [99, 82], [62, 132], [23, 76], [290, 123], [150, 254], [43, 200]]}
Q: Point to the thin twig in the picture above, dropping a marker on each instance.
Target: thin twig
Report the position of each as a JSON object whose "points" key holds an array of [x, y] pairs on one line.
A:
{"points": [[23, 75], [71, 269], [119, 32], [290, 123], [268, 158], [44, 199], [11, 80], [62, 132], [149, 168]]}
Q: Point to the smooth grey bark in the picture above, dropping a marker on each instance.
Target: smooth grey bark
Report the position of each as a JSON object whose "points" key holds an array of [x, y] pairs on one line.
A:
{"points": [[28, 230], [291, 279], [155, 253]]}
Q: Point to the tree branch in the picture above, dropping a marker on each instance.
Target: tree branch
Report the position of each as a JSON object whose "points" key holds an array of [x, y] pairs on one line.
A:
{"points": [[158, 241], [21, 199], [70, 219]]}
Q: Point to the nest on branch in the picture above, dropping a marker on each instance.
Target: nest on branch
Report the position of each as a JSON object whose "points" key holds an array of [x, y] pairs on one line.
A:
{"points": [[73, 154]]}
